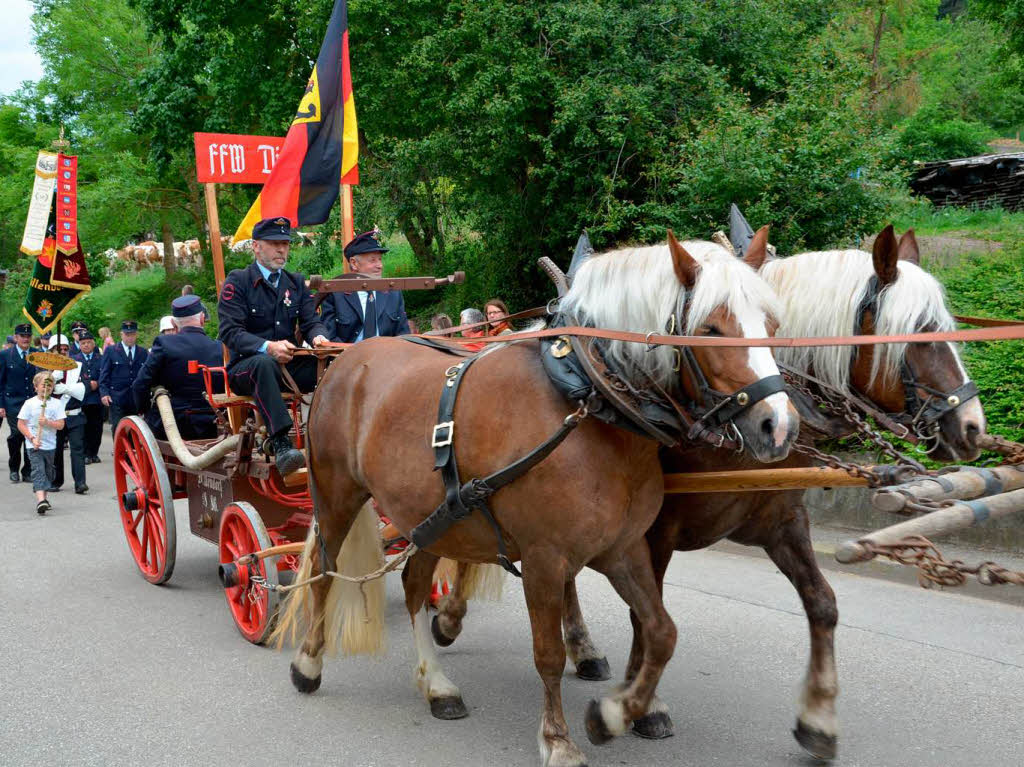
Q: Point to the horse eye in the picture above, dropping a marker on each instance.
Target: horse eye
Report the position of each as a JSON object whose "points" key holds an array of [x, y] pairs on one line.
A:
{"points": [[711, 330]]}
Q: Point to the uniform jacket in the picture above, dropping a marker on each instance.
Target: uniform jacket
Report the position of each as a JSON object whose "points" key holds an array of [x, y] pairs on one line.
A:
{"points": [[90, 372], [251, 311], [167, 366], [116, 375], [343, 314], [15, 379], [70, 389]]}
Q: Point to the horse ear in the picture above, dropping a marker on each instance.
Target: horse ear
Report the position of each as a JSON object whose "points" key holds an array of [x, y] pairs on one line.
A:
{"points": [[908, 249], [757, 251], [684, 264], [885, 254]]}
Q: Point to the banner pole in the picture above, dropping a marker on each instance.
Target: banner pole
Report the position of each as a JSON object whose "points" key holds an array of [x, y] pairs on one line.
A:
{"points": [[347, 221], [215, 245]]}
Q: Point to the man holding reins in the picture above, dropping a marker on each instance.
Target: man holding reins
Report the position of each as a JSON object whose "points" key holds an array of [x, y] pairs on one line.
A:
{"points": [[260, 308]]}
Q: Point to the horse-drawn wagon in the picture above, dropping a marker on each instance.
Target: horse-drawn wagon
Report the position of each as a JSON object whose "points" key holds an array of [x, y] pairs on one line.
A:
{"points": [[237, 499]]}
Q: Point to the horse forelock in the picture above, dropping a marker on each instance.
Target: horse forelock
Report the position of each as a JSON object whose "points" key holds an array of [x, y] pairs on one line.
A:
{"points": [[636, 290], [821, 294]]}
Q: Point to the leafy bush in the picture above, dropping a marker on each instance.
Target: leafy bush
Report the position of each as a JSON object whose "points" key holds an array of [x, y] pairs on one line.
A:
{"points": [[932, 134]]}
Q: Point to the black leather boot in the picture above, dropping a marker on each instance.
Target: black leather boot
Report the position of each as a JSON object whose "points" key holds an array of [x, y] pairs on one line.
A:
{"points": [[286, 456]]}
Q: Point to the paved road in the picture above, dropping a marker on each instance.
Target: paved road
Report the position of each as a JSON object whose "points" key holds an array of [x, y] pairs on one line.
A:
{"points": [[100, 668]]}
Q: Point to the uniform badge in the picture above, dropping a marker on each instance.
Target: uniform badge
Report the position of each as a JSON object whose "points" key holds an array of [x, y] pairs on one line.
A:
{"points": [[287, 298]]}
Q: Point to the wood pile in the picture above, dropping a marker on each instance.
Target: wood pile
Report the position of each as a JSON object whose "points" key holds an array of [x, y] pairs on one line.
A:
{"points": [[985, 181]]}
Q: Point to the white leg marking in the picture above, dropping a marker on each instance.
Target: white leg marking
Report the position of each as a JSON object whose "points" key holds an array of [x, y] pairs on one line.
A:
{"points": [[307, 665], [817, 708], [614, 715], [429, 677]]}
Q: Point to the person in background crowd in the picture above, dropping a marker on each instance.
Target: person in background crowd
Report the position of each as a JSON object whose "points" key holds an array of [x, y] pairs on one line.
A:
{"points": [[8, 343], [92, 408], [440, 322], [70, 390], [471, 317], [260, 309], [76, 330], [414, 328], [167, 326], [16, 374], [187, 290], [167, 366], [105, 339], [494, 309], [39, 418], [356, 316], [120, 366]]}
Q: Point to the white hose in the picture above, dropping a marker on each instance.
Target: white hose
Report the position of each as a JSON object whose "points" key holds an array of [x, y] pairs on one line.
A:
{"points": [[181, 452]]}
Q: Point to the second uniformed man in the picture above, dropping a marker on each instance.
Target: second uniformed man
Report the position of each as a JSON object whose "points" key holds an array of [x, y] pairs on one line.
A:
{"points": [[260, 308], [120, 364], [15, 387], [167, 366]]}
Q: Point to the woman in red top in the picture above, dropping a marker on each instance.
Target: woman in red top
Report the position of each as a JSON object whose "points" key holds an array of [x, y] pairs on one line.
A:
{"points": [[494, 309]]}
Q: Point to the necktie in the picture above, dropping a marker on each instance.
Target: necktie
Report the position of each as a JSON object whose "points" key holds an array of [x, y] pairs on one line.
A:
{"points": [[131, 355], [370, 318], [275, 277]]}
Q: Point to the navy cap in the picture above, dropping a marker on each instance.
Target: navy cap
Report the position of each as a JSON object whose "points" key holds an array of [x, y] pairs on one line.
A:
{"points": [[24, 329], [78, 325], [85, 335], [186, 306], [10, 339], [130, 326], [276, 228], [366, 242]]}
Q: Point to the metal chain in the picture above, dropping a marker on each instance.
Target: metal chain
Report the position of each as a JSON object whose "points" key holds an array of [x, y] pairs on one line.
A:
{"points": [[935, 570], [864, 431]]}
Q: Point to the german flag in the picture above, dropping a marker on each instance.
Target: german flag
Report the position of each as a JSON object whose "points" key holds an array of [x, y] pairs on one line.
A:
{"points": [[321, 148]]}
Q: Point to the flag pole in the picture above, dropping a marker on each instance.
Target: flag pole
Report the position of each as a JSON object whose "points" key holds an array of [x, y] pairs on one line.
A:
{"points": [[347, 220]]}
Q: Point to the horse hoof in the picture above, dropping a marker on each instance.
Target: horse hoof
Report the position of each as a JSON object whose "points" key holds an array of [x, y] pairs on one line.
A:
{"points": [[439, 638], [654, 726], [448, 708], [594, 669], [303, 683], [597, 731], [815, 742]]}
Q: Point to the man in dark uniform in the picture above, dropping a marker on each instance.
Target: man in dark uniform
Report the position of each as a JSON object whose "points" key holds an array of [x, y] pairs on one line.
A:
{"points": [[351, 317], [16, 387], [167, 366], [92, 408], [121, 363], [76, 331], [260, 308]]}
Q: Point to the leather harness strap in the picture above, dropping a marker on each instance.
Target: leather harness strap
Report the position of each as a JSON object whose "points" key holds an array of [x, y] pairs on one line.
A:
{"points": [[460, 499]]}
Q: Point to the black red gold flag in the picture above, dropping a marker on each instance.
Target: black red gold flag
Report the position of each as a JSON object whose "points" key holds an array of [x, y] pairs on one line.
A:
{"points": [[321, 148]]}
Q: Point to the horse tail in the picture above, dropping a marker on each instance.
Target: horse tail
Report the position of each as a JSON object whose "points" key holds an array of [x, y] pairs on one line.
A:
{"points": [[354, 612], [484, 582]]}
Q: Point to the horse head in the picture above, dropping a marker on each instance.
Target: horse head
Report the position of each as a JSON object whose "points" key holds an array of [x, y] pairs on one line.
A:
{"points": [[725, 297], [926, 383]]}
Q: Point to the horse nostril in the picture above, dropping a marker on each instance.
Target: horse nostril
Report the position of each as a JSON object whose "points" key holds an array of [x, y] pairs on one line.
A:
{"points": [[971, 432], [768, 426]]}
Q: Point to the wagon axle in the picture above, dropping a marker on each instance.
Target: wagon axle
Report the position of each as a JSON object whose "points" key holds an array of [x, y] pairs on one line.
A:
{"points": [[133, 500]]}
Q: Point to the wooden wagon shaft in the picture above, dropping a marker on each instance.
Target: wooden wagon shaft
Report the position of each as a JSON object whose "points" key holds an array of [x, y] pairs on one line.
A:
{"points": [[354, 282], [966, 483], [761, 479], [941, 522]]}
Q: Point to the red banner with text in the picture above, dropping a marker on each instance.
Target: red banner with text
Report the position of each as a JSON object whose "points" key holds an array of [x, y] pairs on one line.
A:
{"points": [[228, 158]]}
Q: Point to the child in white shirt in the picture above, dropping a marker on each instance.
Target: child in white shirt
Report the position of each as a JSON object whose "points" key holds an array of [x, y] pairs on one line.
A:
{"points": [[40, 419]]}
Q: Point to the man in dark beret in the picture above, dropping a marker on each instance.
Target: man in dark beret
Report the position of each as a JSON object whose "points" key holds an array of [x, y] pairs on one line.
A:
{"points": [[92, 408], [15, 387], [261, 309], [363, 314], [167, 366], [121, 363]]}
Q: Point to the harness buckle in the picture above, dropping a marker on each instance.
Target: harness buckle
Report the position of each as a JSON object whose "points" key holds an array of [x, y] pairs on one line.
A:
{"points": [[561, 347], [450, 374], [439, 437]]}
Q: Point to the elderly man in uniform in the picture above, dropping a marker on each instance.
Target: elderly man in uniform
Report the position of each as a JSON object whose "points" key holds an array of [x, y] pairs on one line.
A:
{"points": [[76, 332], [121, 363], [92, 408], [260, 308], [362, 314], [15, 387], [70, 390], [167, 366]]}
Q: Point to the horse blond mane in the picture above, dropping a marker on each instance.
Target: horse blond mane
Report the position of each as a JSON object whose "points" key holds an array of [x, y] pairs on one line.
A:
{"points": [[636, 289], [821, 293]]}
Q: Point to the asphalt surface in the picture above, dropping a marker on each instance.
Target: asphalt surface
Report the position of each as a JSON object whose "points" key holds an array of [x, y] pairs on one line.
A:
{"points": [[98, 667]]}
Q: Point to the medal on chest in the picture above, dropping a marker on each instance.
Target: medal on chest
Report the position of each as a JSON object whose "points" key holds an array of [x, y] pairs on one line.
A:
{"points": [[287, 298]]}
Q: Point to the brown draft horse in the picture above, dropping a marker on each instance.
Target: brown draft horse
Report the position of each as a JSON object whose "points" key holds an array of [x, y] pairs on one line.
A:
{"points": [[588, 504], [826, 293]]}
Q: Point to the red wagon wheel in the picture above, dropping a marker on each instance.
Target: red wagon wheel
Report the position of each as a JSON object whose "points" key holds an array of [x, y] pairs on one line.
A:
{"points": [[144, 498], [253, 607]]}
